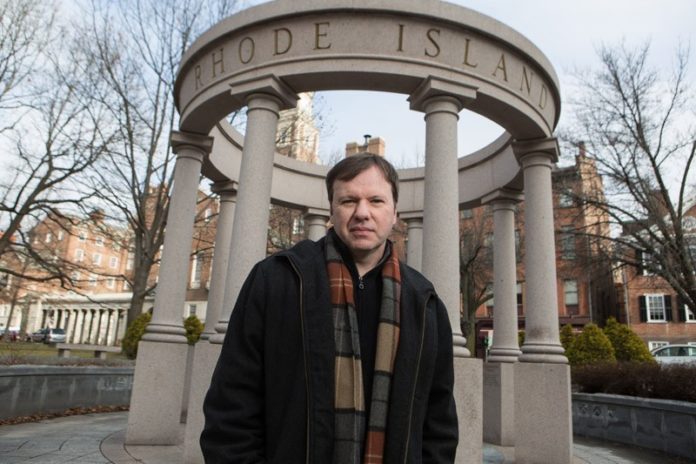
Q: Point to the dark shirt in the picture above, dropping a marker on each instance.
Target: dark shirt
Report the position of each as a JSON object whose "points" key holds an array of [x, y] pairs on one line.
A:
{"points": [[368, 301]]}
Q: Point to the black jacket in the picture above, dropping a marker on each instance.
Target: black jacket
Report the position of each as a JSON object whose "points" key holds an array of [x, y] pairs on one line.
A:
{"points": [[271, 397]]}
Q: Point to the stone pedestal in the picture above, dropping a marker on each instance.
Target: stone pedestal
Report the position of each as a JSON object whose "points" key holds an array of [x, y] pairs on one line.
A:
{"points": [[499, 403], [204, 361], [468, 381], [157, 422], [543, 420]]}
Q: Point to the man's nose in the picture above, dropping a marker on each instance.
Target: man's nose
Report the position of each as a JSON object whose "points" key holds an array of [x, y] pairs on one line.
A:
{"points": [[362, 209]]}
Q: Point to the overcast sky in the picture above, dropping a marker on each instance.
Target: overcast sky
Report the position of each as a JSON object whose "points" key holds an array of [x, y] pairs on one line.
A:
{"points": [[567, 32]]}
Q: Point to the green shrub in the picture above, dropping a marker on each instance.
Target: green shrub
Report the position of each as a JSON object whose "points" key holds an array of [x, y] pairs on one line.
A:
{"points": [[520, 338], [590, 347], [134, 333], [627, 345], [567, 336], [194, 328]]}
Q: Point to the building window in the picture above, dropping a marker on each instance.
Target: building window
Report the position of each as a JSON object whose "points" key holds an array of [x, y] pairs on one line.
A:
{"points": [[570, 290], [79, 255], [113, 262], [518, 243], [689, 315], [99, 241], [60, 235], [648, 264], [49, 236], [92, 281], [297, 226], [111, 282], [96, 259], [653, 345], [467, 213], [567, 243], [82, 236], [196, 269], [129, 261], [207, 214], [520, 305], [565, 199], [192, 309], [655, 308]]}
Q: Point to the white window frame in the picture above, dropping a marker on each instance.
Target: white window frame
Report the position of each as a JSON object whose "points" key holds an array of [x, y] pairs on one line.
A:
{"points": [[192, 309], [99, 241], [297, 226], [49, 237], [195, 271], [82, 236], [655, 344], [111, 282], [93, 281], [60, 235], [570, 291], [565, 199], [79, 255], [130, 261], [689, 315], [113, 262], [96, 259], [648, 298]]}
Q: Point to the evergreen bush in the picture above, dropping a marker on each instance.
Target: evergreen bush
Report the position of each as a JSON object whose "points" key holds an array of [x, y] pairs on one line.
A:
{"points": [[627, 345], [133, 335], [194, 328], [567, 336], [590, 347]]}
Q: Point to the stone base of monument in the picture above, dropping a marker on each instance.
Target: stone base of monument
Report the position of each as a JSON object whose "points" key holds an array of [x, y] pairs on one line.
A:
{"points": [[543, 420], [468, 382], [204, 360], [158, 389], [499, 403]]}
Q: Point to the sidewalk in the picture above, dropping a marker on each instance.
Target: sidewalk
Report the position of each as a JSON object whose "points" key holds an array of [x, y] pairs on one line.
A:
{"points": [[99, 439]]}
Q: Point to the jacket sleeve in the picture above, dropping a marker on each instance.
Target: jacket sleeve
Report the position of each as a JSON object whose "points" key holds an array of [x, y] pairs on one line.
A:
{"points": [[440, 429], [234, 405]]}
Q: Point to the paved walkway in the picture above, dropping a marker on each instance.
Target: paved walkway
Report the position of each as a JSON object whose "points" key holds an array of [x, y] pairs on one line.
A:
{"points": [[99, 438]]}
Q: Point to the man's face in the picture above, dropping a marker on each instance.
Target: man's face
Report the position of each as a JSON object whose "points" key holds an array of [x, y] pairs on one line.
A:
{"points": [[363, 214]]}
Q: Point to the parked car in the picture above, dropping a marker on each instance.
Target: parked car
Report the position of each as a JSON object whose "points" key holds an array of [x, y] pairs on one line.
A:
{"points": [[49, 335], [675, 354]]}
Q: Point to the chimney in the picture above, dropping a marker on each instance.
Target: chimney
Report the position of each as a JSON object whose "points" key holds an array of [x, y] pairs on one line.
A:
{"points": [[97, 215], [374, 145]]}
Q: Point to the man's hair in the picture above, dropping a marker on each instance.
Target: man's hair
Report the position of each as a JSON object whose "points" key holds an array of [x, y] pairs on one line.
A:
{"points": [[349, 168]]}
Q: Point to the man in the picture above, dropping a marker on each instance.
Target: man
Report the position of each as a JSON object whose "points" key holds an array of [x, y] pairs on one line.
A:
{"points": [[336, 352]]}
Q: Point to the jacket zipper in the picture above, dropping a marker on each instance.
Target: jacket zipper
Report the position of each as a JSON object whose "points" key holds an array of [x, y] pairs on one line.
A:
{"points": [[415, 383], [304, 354]]}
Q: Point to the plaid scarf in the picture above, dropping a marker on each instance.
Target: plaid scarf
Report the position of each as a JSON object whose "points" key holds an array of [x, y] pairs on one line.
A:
{"points": [[349, 403]]}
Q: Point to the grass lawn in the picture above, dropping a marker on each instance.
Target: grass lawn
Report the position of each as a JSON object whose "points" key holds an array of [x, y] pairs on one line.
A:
{"points": [[36, 353]]}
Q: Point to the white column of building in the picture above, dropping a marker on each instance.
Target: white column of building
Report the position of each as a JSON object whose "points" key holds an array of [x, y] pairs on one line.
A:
{"points": [[543, 420], [316, 221], [441, 101], [205, 354], [254, 196], [499, 372], [161, 364], [414, 245]]}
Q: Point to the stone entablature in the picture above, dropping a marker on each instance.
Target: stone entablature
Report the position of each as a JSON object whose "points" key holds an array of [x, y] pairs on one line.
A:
{"points": [[377, 45]]}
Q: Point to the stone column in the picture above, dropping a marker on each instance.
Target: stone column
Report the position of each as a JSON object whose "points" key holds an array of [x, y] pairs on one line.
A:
{"points": [[414, 246], [498, 372], [254, 196], [441, 100], [316, 221], [265, 99], [543, 429], [110, 313], [161, 364], [205, 354]]}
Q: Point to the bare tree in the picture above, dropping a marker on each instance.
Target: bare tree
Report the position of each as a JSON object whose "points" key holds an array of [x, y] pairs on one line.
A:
{"points": [[26, 27], [57, 135], [138, 45], [475, 268], [637, 125]]}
